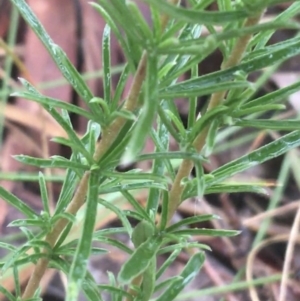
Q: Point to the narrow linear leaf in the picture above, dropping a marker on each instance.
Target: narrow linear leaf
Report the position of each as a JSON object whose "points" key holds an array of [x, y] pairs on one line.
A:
{"points": [[134, 215], [41, 244], [102, 9], [17, 282], [198, 16], [79, 264], [14, 257], [161, 141], [28, 234], [89, 286], [258, 109], [238, 188], [120, 214], [135, 176], [171, 155], [288, 14], [29, 177], [135, 204], [133, 186], [191, 89], [168, 262], [106, 63], [204, 120], [120, 13], [168, 282], [262, 154], [44, 194], [56, 103], [94, 131], [67, 190], [112, 242], [55, 162], [164, 210], [259, 5], [227, 188], [111, 230], [191, 220], [200, 179], [72, 251], [210, 139], [189, 272], [148, 284], [274, 55], [63, 235], [7, 246], [287, 125], [17, 203], [63, 141], [7, 294], [148, 111], [282, 45], [176, 122], [120, 88], [114, 290], [91, 290], [141, 24], [139, 260], [234, 33], [60, 264], [112, 282], [206, 232], [179, 61], [112, 158], [28, 222], [28, 259], [65, 215], [76, 142], [183, 245], [59, 57]]}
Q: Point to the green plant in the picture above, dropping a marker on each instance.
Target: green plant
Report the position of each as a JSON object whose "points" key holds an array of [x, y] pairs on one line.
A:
{"points": [[157, 56]]}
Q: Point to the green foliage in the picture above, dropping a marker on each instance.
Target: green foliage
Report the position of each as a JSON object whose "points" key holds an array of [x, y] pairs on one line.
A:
{"points": [[157, 56]]}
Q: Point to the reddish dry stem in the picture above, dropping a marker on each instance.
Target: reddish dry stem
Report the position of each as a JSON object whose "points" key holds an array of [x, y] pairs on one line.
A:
{"points": [[109, 135], [187, 165]]}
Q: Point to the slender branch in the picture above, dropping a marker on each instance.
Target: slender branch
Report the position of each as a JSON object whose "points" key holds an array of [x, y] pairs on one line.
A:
{"points": [[51, 238], [108, 137], [216, 98]]}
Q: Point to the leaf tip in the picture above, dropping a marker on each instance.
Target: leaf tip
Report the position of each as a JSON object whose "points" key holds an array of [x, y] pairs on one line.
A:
{"points": [[127, 158]]}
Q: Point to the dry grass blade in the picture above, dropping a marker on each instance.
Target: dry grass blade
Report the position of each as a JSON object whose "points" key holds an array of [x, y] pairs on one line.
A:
{"points": [[252, 255], [294, 237]]}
